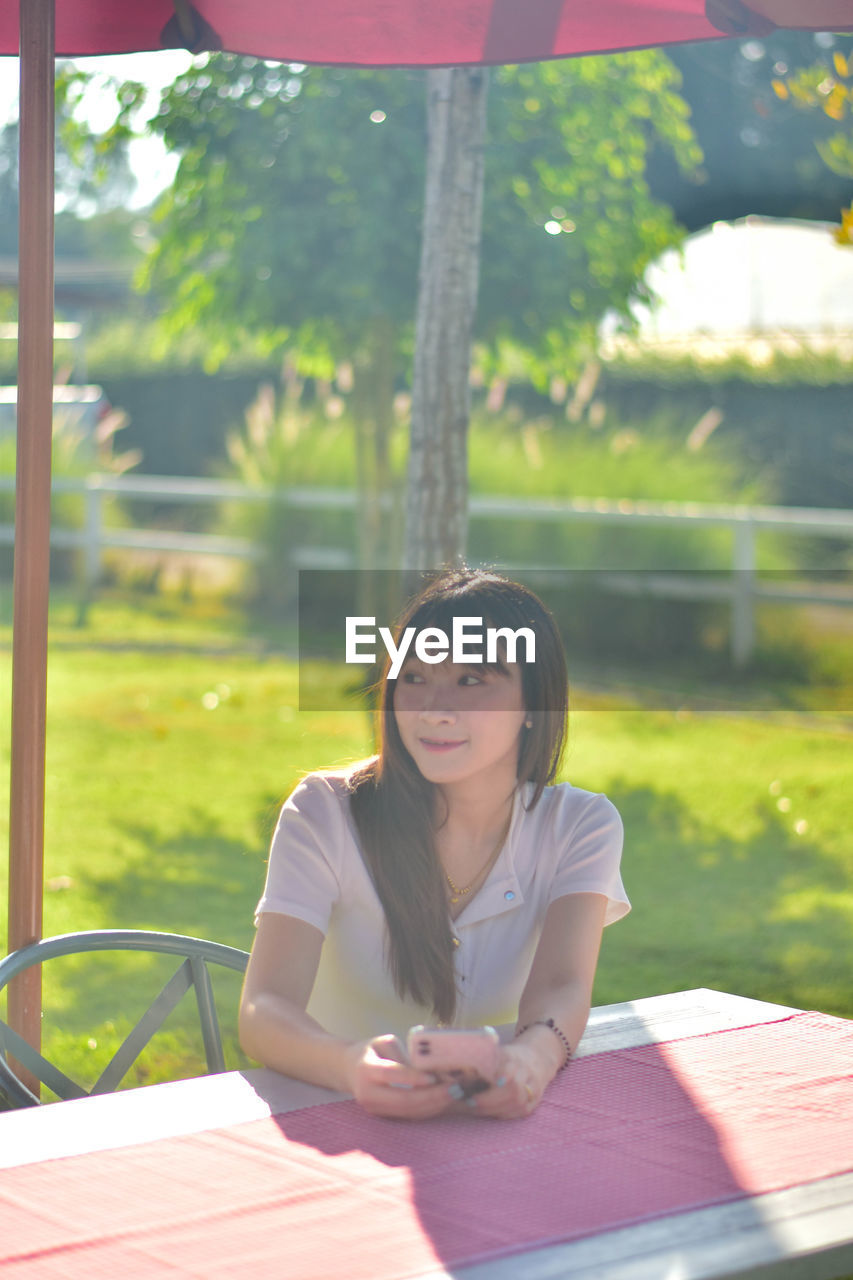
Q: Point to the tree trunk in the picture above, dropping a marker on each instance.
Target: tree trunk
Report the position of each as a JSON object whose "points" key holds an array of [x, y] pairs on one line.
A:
{"points": [[377, 526], [437, 487], [373, 409]]}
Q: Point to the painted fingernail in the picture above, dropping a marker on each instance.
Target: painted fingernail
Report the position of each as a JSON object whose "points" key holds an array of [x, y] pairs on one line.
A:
{"points": [[500, 1082], [470, 1102], [456, 1091]]}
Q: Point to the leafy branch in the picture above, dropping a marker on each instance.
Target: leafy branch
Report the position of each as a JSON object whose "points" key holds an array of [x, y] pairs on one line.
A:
{"points": [[829, 90]]}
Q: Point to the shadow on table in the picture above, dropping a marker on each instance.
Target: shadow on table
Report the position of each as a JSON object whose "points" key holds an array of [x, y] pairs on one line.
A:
{"points": [[617, 1141]]}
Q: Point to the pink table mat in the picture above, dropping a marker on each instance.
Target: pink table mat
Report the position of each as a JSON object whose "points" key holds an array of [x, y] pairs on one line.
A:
{"points": [[329, 1191]]}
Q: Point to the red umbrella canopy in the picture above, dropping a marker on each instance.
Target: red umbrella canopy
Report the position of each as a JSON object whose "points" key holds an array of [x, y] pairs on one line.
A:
{"points": [[410, 32]]}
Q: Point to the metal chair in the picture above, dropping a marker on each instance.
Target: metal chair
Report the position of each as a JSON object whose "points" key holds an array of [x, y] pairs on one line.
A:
{"points": [[197, 953]]}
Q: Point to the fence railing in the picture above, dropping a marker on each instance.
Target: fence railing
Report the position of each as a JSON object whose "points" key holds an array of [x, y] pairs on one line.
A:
{"points": [[742, 589]]}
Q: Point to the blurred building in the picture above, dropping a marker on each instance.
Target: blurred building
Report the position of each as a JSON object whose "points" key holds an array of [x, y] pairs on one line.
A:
{"points": [[756, 285]]}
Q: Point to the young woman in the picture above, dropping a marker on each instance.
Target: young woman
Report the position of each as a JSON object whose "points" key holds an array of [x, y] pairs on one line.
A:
{"points": [[445, 880]]}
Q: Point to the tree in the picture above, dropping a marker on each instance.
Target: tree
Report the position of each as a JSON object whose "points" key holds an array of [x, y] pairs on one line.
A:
{"points": [[93, 179], [296, 211], [92, 169], [437, 487], [760, 156], [826, 87], [294, 214], [296, 206]]}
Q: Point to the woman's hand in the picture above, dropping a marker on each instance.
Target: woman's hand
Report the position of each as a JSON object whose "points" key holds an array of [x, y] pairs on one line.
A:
{"points": [[382, 1083], [522, 1079]]}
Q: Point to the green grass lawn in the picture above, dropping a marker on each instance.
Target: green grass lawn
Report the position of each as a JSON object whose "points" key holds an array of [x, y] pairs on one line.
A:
{"points": [[166, 766]]}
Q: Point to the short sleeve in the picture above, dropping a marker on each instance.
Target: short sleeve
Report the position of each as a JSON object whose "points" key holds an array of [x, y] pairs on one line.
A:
{"points": [[302, 875], [590, 855]]}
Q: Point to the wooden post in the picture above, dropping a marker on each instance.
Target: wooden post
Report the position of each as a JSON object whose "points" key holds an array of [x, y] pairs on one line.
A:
{"points": [[437, 487], [32, 505], [743, 599], [94, 530]]}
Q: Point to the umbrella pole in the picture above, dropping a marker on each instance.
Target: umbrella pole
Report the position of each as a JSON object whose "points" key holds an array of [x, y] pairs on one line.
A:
{"points": [[32, 504]]}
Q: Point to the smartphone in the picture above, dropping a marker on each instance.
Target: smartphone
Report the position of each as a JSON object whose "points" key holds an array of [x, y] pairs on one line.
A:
{"points": [[468, 1058]]}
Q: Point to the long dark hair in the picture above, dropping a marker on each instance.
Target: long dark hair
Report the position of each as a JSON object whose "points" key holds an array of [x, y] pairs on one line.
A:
{"points": [[394, 806]]}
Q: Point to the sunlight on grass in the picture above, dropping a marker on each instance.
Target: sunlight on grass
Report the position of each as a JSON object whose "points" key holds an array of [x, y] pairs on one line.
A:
{"points": [[712, 862]]}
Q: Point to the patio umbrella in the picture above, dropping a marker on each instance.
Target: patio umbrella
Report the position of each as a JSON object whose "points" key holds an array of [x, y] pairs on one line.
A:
{"points": [[408, 32], [343, 32]]}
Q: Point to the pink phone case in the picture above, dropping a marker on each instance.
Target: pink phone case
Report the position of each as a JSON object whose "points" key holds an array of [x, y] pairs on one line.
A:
{"points": [[468, 1058]]}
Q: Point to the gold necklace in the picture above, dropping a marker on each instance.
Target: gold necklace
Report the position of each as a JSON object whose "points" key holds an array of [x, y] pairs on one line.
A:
{"points": [[456, 892]]}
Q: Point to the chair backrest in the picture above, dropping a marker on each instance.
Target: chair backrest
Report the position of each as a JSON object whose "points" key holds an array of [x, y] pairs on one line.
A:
{"points": [[195, 954]]}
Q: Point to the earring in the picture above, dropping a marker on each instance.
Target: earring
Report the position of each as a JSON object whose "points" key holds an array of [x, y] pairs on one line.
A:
{"points": [[528, 724]]}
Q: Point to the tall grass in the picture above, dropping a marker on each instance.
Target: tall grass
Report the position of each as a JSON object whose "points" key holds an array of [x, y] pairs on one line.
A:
{"points": [[546, 457], [542, 456], [550, 458], [281, 446], [76, 451], [289, 446]]}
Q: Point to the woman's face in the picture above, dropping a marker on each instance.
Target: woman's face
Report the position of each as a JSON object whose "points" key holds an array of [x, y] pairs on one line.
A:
{"points": [[458, 722]]}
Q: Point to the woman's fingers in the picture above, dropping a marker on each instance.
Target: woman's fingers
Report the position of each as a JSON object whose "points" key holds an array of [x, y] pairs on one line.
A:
{"points": [[389, 1047], [510, 1098], [517, 1091], [383, 1072], [406, 1104], [386, 1085], [388, 1055]]}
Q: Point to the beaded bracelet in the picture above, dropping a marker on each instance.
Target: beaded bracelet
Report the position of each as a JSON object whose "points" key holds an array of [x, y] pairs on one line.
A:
{"points": [[549, 1022]]}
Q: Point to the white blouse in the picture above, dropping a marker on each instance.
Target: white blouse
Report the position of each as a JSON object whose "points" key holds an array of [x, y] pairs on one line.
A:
{"points": [[571, 842]]}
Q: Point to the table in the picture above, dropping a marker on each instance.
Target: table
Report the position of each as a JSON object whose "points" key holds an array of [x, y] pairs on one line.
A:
{"points": [[804, 1229]]}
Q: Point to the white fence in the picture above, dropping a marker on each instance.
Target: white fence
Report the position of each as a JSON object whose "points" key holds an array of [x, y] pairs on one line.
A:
{"points": [[742, 589]]}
